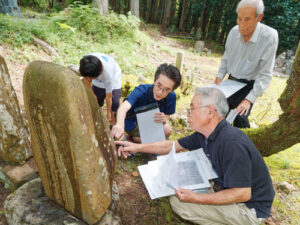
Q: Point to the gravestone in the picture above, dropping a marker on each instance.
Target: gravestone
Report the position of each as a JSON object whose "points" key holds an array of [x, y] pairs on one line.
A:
{"points": [[10, 7], [199, 45], [14, 136], [71, 142]]}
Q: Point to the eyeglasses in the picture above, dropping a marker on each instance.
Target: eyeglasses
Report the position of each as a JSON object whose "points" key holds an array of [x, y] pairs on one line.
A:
{"points": [[163, 90], [192, 108]]}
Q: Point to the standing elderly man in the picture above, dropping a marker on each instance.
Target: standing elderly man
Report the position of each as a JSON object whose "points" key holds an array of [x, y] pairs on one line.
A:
{"points": [[243, 192], [249, 58]]}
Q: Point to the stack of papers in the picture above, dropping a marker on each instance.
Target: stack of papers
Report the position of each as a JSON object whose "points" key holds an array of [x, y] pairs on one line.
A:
{"points": [[150, 131], [228, 87], [188, 170]]}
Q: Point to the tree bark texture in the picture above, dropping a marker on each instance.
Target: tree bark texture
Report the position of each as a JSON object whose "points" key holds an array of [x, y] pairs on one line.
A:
{"points": [[183, 18], [167, 13], [134, 7], [285, 132], [102, 6]]}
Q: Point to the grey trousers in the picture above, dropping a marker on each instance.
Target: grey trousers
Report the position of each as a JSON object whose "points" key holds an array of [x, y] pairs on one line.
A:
{"points": [[231, 214]]}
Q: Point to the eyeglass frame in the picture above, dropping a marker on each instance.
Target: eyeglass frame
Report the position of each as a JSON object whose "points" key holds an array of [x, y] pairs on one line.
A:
{"points": [[163, 90], [192, 108]]}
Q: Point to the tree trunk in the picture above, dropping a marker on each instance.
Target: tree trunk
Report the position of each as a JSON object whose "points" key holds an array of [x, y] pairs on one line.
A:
{"points": [[143, 9], [204, 19], [134, 7], [149, 7], [285, 132], [179, 13], [160, 13], [173, 11], [102, 6], [182, 23], [154, 7], [167, 13]]}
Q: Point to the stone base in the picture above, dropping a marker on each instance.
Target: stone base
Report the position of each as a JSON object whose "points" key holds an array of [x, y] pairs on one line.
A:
{"points": [[29, 205], [13, 176]]}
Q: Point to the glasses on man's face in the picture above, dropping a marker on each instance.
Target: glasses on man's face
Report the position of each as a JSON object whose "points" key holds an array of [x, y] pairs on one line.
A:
{"points": [[192, 108], [163, 90]]}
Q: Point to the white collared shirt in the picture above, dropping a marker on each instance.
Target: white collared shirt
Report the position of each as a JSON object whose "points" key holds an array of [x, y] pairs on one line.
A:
{"points": [[253, 60]]}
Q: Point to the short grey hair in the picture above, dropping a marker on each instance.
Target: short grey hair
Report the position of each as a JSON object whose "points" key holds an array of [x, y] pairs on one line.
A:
{"points": [[258, 4], [215, 97]]}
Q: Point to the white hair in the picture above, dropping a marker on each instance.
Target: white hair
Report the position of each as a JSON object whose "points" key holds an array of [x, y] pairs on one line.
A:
{"points": [[215, 97], [258, 4]]}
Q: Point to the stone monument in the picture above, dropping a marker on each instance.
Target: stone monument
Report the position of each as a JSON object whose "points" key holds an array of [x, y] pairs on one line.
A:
{"points": [[14, 136], [10, 7], [71, 142]]}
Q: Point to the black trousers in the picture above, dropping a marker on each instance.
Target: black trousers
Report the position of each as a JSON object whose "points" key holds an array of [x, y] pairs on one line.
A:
{"points": [[235, 99]]}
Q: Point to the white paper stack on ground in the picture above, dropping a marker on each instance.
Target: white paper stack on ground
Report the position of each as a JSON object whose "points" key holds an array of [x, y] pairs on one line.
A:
{"points": [[189, 170], [150, 131], [228, 87]]}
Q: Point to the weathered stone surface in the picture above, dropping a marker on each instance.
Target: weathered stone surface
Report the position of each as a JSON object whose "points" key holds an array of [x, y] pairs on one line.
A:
{"points": [[29, 205], [72, 148], [199, 45], [286, 187], [20, 174], [14, 136]]}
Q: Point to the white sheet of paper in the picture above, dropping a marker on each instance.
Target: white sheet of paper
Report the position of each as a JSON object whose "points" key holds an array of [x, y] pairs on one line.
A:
{"points": [[190, 171], [150, 131], [228, 87]]}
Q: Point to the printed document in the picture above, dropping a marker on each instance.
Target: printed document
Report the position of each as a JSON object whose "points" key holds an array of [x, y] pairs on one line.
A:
{"points": [[189, 170]]}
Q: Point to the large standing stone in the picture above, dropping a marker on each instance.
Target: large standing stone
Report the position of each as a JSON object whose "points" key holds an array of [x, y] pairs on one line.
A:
{"points": [[73, 150], [14, 136]]}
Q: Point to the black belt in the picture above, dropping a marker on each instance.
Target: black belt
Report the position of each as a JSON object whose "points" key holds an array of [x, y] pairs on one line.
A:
{"points": [[240, 80]]}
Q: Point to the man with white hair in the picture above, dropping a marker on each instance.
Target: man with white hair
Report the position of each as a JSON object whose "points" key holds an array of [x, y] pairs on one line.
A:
{"points": [[243, 192], [249, 58]]}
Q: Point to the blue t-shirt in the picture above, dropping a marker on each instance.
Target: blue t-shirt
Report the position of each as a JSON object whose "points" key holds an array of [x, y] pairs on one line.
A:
{"points": [[237, 162], [139, 97]]}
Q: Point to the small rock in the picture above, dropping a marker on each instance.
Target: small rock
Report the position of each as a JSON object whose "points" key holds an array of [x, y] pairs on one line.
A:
{"points": [[205, 50], [22, 173], [199, 45], [141, 78], [286, 187]]}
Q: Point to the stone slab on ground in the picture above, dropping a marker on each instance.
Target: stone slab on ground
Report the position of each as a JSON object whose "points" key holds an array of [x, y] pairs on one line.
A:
{"points": [[29, 205], [20, 174]]}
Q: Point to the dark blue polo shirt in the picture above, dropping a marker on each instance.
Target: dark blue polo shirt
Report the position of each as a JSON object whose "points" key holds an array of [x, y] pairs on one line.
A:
{"points": [[237, 162], [140, 97]]}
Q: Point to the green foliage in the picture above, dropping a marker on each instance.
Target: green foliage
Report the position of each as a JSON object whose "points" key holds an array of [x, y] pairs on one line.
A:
{"points": [[103, 28], [284, 17], [17, 32]]}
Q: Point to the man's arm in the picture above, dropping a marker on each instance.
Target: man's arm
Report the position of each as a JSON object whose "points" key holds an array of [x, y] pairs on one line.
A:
{"points": [[264, 76], [118, 129], [161, 147], [228, 196]]}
